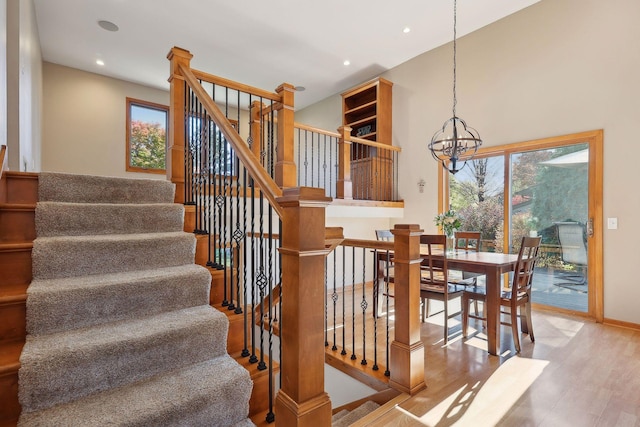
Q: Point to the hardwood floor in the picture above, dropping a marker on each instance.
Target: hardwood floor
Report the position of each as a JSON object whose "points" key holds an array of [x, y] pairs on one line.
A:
{"points": [[577, 373]]}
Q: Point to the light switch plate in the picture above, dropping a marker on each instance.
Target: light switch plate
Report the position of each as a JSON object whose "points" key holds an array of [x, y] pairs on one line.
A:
{"points": [[612, 223]]}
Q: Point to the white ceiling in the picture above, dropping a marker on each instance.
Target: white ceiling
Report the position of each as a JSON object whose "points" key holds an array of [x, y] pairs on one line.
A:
{"points": [[256, 42]]}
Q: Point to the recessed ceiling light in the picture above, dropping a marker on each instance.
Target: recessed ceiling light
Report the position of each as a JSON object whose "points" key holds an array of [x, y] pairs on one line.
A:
{"points": [[100, 62], [346, 62], [108, 25], [300, 88], [406, 30]]}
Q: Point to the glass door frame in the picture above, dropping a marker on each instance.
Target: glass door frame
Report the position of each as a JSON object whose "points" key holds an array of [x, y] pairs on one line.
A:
{"points": [[594, 139]]}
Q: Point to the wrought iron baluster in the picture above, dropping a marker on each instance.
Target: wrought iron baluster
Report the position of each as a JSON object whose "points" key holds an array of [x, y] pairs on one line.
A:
{"points": [[375, 314], [270, 414], [353, 303], [344, 279], [262, 282], [387, 373], [326, 300], [334, 298], [364, 306], [253, 358], [245, 350]]}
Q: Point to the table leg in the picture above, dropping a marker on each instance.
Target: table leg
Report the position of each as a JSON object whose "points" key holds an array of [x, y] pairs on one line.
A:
{"points": [[492, 310]]}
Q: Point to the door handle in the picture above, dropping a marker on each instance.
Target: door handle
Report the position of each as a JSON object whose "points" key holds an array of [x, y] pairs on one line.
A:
{"points": [[590, 227]]}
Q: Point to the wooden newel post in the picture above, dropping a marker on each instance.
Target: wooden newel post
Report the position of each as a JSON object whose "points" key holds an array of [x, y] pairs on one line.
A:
{"points": [[302, 400], [285, 166], [344, 186], [407, 350], [176, 143]]}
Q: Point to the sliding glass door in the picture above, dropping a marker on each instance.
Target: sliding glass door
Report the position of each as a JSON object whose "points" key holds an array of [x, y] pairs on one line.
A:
{"points": [[549, 188]]}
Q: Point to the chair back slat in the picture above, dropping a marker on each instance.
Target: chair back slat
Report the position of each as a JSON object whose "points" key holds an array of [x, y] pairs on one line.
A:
{"points": [[523, 273], [467, 240], [434, 274]]}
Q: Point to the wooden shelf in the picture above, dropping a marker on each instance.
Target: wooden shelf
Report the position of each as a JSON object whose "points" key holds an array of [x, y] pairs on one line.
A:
{"points": [[369, 105]]}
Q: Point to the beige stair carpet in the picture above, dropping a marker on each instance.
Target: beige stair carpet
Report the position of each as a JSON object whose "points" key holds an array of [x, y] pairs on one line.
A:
{"points": [[119, 329]]}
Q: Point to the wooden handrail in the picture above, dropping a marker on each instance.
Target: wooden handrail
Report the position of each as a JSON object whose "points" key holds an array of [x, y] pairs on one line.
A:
{"points": [[210, 78], [257, 172], [369, 244], [375, 144], [316, 130]]}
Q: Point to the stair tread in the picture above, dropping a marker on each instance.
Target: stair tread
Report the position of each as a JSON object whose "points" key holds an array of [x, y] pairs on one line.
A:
{"points": [[63, 187], [82, 219], [68, 256], [78, 302], [128, 351], [128, 330], [213, 386], [253, 367]]}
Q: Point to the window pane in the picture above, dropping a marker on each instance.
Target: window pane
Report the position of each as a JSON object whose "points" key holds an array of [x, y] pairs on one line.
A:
{"points": [[477, 194], [549, 198], [147, 137]]}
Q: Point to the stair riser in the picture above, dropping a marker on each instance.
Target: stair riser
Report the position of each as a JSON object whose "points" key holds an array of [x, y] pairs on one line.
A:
{"points": [[22, 188], [15, 265], [259, 401], [103, 256], [89, 369], [12, 326], [9, 405], [235, 340], [17, 225], [217, 286]]}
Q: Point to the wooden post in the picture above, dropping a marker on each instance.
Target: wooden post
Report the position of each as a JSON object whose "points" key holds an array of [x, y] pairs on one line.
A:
{"points": [[285, 166], [344, 186], [302, 400], [256, 129], [407, 350], [176, 143]]}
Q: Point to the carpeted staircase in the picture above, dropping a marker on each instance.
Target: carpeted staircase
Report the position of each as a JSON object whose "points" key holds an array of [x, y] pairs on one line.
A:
{"points": [[120, 331]]}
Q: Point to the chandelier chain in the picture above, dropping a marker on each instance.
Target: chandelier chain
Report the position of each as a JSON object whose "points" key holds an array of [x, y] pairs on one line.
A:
{"points": [[455, 99]]}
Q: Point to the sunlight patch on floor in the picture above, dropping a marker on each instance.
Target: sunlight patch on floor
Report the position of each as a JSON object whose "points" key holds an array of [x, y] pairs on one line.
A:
{"points": [[488, 401]]}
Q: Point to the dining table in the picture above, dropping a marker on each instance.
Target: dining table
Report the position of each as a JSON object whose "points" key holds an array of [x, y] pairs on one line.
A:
{"points": [[492, 265]]}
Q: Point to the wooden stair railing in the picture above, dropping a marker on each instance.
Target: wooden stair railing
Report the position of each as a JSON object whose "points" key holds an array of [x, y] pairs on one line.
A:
{"points": [[368, 336], [301, 400]]}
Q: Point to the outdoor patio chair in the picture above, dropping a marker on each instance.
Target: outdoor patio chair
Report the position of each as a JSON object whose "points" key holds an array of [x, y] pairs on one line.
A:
{"points": [[574, 250]]}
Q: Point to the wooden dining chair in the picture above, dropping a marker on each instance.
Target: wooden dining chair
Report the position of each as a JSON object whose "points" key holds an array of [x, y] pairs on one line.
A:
{"points": [[517, 296], [434, 278], [384, 264], [469, 241]]}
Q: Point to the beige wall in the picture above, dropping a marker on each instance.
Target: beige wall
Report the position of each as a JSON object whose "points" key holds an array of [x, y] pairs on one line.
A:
{"points": [[557, 67], [84, 126]]}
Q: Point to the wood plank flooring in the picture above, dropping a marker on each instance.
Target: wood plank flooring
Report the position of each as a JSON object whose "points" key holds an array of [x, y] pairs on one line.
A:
{"points": [[577, 373]]}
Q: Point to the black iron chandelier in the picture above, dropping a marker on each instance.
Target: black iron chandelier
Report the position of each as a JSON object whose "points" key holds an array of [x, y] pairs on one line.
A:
{"points": [[455, 142]]}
